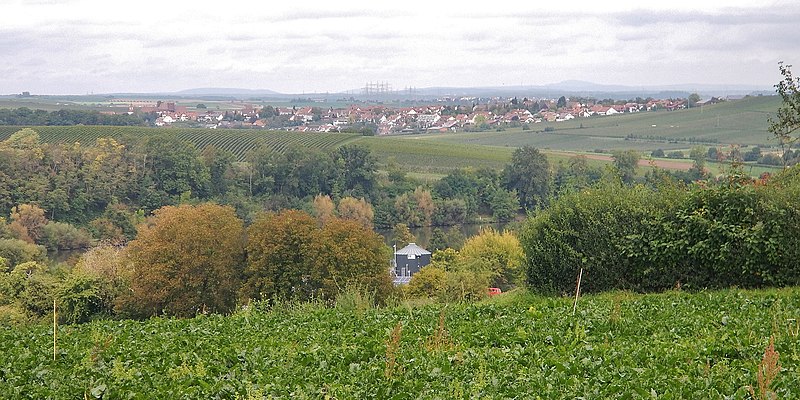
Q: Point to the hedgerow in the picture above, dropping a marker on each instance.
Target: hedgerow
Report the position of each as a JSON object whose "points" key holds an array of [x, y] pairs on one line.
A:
{"points": [[734, 233]]}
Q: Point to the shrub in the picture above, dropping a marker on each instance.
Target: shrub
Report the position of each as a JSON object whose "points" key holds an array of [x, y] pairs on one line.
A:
{"points": [[36, 290], [464, 285], [497, 253], [587, 230], [770, 159], [734, 233], [17, 251], [727, 235], [12, 315], [80, 298], [676, 154], [63, 236], [429, 281]]}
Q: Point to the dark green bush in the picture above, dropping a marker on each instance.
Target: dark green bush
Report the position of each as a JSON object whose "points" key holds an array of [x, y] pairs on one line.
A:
{"points": [[588, 230], [63, 236], [80, 298], [17, 251], [731, 234]]}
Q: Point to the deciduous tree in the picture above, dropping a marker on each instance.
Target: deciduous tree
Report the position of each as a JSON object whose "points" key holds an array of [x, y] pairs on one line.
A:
{"points": [[187, 259], [27, 222], [402, 235], [498, 253], [625, 163], [529, 174], [358, 210], [280, 254], [787, 119], [350, 254], [323, 208]]}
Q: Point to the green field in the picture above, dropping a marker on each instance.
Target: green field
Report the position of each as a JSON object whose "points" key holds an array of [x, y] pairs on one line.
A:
{"points": [[742, 122], [237, 141], [618, 345]]}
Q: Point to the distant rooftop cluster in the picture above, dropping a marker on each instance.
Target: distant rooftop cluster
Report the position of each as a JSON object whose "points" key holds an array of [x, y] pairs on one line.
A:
{"points": [[384, 120]]}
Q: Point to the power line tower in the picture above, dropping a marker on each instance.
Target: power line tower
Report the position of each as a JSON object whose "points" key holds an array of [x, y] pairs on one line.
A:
{"points": [[377, 88]]}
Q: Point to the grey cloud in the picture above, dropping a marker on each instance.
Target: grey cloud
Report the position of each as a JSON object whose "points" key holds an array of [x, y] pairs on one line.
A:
{"points": [[726, 17], [335, 14]]}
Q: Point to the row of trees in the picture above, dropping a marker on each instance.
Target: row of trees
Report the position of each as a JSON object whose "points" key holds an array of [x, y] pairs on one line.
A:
{"points": [[103, 187], [191, 259], [25, 116]]}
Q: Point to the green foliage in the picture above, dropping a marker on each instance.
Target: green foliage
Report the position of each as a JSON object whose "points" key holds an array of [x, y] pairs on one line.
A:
{"points": [[12, 315], [430, 281], [186, 260], [504, 205], [279, 256], [438, 240], [497, 254], [466, 284], [63, 236], [529, 175], [109, 270], [289, 257], [16, 252], [659, 153], [349, 255], [586, 230], [401, 235], [80, 298], [619, 345], [34, 288], [787, 120], [730, 234], [625, 163], [724, 236]]}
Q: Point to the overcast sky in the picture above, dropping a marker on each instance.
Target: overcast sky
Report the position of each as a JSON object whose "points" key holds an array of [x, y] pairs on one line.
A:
{"points": [[78, 47]]}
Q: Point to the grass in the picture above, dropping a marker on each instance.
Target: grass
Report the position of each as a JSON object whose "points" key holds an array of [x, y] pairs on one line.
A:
{"points": [[742, 122], [671, 345]]}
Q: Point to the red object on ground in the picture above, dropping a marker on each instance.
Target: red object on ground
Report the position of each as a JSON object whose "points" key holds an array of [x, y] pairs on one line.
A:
{"points": [[493, 291]]}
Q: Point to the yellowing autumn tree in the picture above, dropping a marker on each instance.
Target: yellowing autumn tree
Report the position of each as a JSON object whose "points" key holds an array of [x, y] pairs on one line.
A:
{"points": [[351, 255], [323, 208], [27, 222], [358, 210], [289, 256], [186, 259], [280, 252], [425, 205], [498, 253]]}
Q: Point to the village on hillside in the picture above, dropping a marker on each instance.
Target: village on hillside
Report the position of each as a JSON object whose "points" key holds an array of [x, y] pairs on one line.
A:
{"points": [[383, 120]]}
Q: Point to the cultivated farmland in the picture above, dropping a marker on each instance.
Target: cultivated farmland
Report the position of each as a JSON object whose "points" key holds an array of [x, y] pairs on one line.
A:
{"points": [[742, 122], [237, 141], [670, 345]]}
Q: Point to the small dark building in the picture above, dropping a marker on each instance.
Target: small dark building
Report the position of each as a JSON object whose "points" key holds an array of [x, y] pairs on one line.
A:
{"points": [[408, 261]]}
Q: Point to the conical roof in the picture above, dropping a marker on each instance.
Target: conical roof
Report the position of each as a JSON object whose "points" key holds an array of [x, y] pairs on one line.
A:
{"points": [[412, 248]]}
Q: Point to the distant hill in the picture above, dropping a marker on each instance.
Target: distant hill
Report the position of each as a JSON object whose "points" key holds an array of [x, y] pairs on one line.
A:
{"points": [[589, 89], [226, 92]]}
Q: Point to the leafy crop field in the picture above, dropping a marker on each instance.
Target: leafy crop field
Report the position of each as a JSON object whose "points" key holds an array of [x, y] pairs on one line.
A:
{"points": [[618, 345]]}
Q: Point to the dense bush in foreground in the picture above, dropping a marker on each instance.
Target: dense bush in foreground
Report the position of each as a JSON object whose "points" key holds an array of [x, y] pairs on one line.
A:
{"points": [[735, 233], [670, 345]]}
